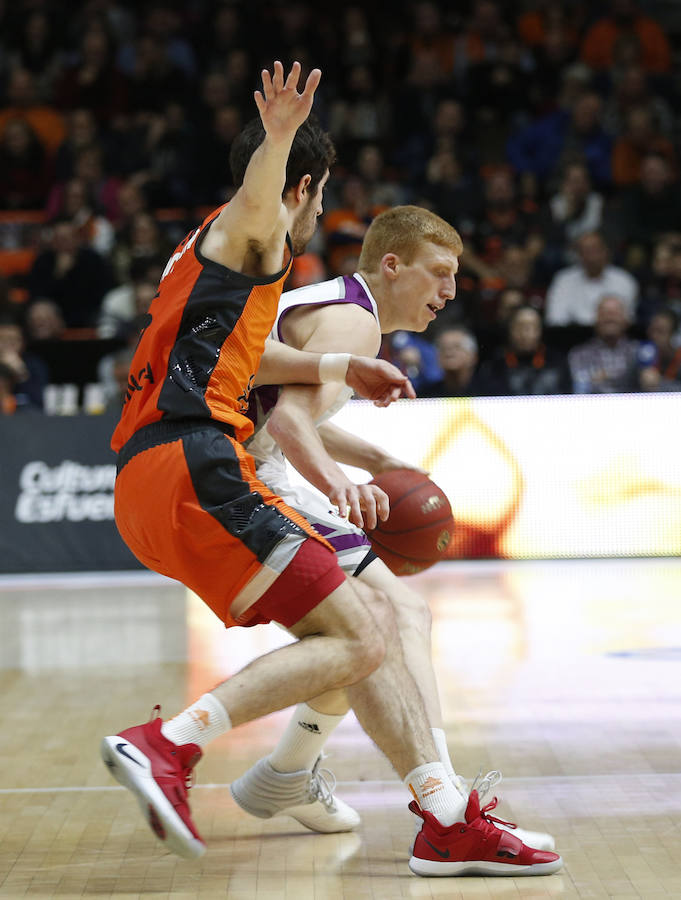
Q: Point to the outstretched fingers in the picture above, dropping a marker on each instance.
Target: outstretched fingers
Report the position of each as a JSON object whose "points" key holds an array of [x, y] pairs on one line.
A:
{"points": [[311, 84], [293, 76]]}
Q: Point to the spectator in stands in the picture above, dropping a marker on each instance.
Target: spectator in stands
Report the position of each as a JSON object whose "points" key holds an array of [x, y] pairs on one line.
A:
{"points": [[640, 138], [102, 188], [169, 150], [214, 179], [122, 306], [345, 226], [78, 206], [224, 34], [563, 136], [662, 282], [38, 49], [23, 170], [93, 81], [574, 293], [140, 240], [154, 78], [447, 133], [496, 87], [415, 356], [660, 359], [23, 103], [382, 189], [8, 403], [81, 134], [457, 356], [44, 321], [632, 90], [29, 374], [553, 41], [430, 42], [503, 221], [624, 19], [651, 208], [448, 190], [609, 361], [485, 33], [163, 22], [74, 276], [575, 209], [361, 113], [525, 365]]}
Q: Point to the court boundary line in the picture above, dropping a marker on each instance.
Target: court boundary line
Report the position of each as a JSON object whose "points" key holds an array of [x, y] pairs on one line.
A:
{"points": [[511, 779]]}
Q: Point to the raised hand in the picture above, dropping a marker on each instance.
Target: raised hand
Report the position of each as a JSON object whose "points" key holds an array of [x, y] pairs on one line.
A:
{"points": [[282, 109]]}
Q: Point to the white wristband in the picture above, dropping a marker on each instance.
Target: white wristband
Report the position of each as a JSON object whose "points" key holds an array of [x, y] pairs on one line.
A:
{"points": [[333, 367]]}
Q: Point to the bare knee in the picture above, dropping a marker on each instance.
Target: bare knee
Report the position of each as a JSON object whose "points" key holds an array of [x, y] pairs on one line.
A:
{"points": [[356, 618]]}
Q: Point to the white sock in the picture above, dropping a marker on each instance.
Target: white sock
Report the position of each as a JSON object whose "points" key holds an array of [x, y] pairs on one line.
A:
{"points": [[199, 723], [443, 750], [302, 742], [434, 792]]}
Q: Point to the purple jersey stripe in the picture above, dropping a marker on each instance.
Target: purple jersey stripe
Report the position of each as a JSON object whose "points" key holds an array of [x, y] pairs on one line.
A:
{"points": [[348, 541]]}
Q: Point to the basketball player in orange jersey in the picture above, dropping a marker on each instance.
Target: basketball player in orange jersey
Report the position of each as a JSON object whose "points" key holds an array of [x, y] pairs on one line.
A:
{"points": [[406, 275], [189, 505]]}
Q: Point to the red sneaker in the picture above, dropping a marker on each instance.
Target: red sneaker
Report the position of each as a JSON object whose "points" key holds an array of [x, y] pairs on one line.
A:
{"points": [[475, 847], [159, 773]]}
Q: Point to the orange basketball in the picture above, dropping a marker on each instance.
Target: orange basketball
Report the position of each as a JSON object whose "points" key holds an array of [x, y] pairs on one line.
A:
{"points": [[418, 530]]}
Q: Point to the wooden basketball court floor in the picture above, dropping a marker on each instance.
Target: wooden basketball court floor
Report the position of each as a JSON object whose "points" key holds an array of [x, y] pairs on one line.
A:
{"points": [[564, 675]]}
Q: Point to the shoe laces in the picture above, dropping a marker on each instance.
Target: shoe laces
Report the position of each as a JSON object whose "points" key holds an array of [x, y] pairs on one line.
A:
{"points": [[493, 820], [322, 786], [483, 784]]}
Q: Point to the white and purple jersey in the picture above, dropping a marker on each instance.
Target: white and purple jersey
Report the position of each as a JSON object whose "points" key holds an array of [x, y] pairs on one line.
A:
{"points": [[350, 543]]}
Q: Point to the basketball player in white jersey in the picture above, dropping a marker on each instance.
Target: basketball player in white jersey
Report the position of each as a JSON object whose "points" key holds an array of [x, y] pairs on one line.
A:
{"points": [[406, 275]]}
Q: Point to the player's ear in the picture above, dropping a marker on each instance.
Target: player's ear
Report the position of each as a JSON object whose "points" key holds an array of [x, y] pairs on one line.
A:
{"points": [[390, 265], [302, 188]]}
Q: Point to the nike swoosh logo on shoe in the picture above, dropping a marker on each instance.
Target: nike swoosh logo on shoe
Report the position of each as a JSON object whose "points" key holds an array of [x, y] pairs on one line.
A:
{"points": [[443, 853], [120, 749]]}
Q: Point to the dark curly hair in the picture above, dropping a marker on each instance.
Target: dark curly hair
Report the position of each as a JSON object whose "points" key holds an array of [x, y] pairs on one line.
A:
{"points": [[312, 152]]}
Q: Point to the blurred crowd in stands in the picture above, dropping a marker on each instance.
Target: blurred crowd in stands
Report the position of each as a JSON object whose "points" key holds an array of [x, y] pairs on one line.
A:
{"points": [[546, 131]]}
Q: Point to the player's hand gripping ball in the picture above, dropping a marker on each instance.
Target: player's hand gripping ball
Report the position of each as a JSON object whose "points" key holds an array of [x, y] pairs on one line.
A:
{"points": [[417, 532]]}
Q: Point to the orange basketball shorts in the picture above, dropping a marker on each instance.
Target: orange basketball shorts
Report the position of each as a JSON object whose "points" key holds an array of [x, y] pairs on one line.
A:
{"points": [[188, 505]]}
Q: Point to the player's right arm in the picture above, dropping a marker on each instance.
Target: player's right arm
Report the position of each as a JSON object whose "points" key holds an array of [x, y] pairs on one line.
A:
{"points": [[255, 217], [373, 379], [351, 450]]}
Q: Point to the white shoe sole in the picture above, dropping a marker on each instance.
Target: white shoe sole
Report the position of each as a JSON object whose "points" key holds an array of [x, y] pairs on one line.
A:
{"points": [[432, 868], [316, 818], [131, 768]]}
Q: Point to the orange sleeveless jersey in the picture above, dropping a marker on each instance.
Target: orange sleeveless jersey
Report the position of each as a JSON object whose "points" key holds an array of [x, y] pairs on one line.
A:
{"points": [[202, 343]]}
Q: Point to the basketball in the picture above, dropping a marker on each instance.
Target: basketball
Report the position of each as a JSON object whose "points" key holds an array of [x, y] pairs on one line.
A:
{"points": [[417, 532]]}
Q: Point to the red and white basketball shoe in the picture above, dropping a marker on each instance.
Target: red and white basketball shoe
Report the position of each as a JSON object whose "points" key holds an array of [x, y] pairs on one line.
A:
{"points": [[159, 773], [475, 847]]}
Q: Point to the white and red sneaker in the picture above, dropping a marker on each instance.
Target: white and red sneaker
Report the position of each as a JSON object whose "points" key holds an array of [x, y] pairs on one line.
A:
{"points": [[159, 773], [475, 847]]}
